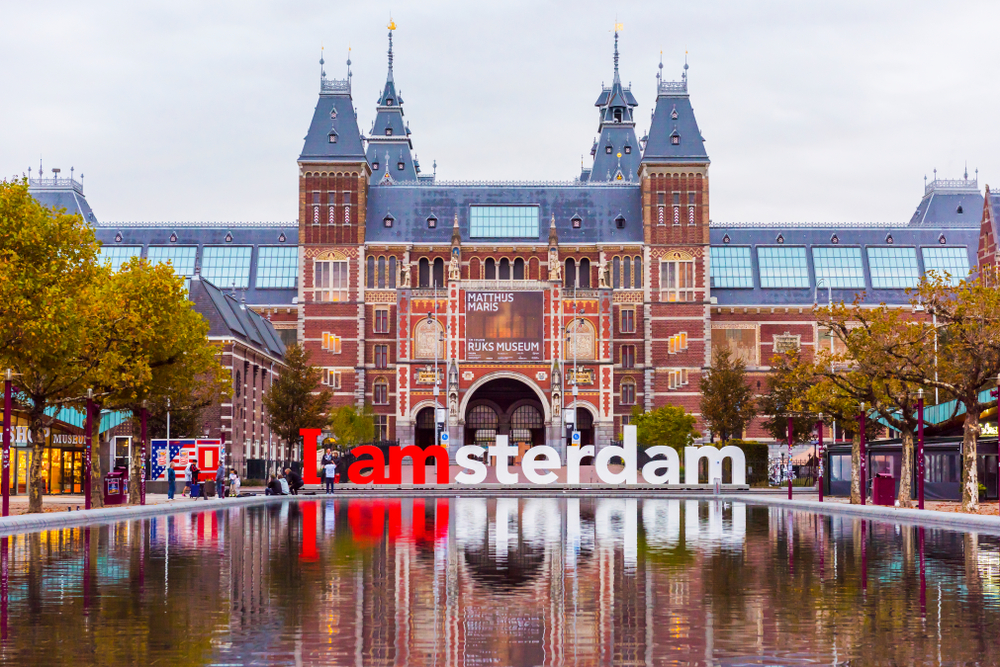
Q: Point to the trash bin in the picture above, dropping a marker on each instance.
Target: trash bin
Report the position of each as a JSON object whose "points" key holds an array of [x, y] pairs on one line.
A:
{"points": [[116, 486], [884, 489], [208, 488]]}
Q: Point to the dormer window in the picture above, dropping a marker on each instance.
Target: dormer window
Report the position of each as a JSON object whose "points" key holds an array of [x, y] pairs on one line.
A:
{"points": [[333, 137], [333, 114], [628, 150], [607, 149], [388, 131], [388, 101], [432, 222], [577, 221], [618, 115], [388, 219], [620, 221], [673, 113], [374, 166], [400, 166], [675, 139], [959, 210]]}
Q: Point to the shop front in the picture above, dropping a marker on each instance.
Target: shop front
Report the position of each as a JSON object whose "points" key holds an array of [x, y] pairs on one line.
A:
{"points": [[942, 467], [62, 458]]}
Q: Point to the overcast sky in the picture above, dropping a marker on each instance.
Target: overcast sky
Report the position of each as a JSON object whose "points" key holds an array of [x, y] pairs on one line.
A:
{"points": [[195, 110]]}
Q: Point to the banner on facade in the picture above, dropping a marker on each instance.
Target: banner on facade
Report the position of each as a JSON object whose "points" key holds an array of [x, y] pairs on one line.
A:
{"points": [[178, 453], [504, 326]]}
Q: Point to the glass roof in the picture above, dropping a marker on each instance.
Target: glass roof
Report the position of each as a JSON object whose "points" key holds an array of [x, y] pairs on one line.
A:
{"points": [[731, 266], [277, 267], [503, 222], [118, 254], [893, 268], [226, 266], [180, 257], [839, 267], [950, 261], [783, 266]]}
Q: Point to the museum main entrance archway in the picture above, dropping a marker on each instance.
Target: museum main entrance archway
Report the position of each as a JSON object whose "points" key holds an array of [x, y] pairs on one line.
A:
{"points": [[505, 406]]}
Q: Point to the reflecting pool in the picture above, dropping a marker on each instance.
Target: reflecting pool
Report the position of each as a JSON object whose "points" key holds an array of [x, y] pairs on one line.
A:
{"points": [[500, 581]]}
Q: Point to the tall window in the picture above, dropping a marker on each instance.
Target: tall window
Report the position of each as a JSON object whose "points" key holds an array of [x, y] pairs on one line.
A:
{"points": [[490, 269], [330, 280], [616, 272], [584, 280], [637, 267], [381, 320], [331, 342], [381, 272], [381, 356], [627, 320], [439, 272], [519, 269], [392, 273], [381, 427], [628, 391], [504, 269], [569, 279], [627, 273], [380, 392], [628, 356], [677, 278], [424, 272], [331, 378], [370, 273]]}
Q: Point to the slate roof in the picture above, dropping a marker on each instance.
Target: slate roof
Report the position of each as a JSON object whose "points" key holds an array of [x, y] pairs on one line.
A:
{"points": [[672, 99], [616, 135], [945, 203], [62, 193], [334, 114], [810, 236], [230, 318], [389, 151], [410, 206]]}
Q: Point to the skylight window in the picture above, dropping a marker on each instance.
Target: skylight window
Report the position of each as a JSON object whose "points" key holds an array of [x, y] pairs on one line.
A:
{"points": [[893, 268], [277, 267], [948, 261], [181, 258], [839, 268], [227, 266], [731, 267], [503, 222], [783, 267]]}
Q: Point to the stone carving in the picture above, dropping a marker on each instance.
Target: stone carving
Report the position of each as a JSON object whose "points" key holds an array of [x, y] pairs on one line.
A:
{"points": [[404, 274], [555, 268], [603, 277], [454, 268]]}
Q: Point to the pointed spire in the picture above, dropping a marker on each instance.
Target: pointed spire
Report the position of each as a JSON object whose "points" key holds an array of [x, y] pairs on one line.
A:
{"points": [[391, 26], [322, 72], [966, 175]]}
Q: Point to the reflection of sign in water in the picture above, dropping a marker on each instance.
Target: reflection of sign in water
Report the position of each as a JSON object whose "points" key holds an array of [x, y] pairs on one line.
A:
{"points": [[503, 326]]}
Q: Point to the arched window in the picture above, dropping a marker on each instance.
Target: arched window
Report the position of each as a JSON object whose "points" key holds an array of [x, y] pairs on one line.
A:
{"points": [[424, 272], [439, 272], [582, 337], [628, 392], [482, 416], [504, 269], [616, 273], [527, 416], [569, 278], [392, 273], [427, 334], [491, 269], [637, 264], [627, 273], [584, 281], [518, 269], [381, 272], [370, 280], [380, 392]]}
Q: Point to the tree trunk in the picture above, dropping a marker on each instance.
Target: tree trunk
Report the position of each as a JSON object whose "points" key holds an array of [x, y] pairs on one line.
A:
{"points": [[134, 476], [856, 469], [36, 485], [970, 473], [96, 478], [906, 469]]}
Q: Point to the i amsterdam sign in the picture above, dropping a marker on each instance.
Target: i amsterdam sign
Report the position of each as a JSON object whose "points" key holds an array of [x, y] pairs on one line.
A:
{"points": [[538, 463]]}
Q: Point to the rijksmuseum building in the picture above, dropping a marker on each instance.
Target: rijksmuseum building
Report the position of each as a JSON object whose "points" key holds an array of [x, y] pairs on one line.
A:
{"points": [[518, 307]]}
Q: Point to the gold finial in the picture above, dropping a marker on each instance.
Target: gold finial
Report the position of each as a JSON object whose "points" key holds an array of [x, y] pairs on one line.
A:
{"points": [[619, 155], [619, 26], [392, 24]]}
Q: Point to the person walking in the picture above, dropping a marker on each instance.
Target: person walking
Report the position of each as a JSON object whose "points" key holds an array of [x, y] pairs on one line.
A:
{"points": [[329, 470], [187, 479], [294, 481], [220, 480], [171, 482]]}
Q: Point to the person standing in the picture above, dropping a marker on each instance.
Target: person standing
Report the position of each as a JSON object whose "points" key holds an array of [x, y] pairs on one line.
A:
{"points": [[329, 470], [234, 483], [187, 479], [195, 481], [171, 482], [342, 467], [220, 480]]}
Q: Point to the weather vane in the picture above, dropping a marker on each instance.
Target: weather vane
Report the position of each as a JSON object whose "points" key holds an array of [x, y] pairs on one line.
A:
{"points": [[392, 24]]}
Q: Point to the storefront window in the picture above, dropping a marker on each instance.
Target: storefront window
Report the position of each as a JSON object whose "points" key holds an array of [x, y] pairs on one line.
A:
{"points": [[942, 468], [840, 468]]}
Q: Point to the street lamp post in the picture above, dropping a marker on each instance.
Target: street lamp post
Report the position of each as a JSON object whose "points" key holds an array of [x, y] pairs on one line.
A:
{"points": [[862, 456], [89, 428], [791, 427], [920, 448], [819, 448], [142, 470], [5, 482]]}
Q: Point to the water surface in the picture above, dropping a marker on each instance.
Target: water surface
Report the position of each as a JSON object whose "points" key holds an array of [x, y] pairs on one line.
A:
{"points": [[500, 581]]}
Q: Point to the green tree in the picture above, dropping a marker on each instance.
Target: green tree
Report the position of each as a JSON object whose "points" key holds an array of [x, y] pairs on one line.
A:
{"points": [[786, 386], [352, 427], [727, 401], [669, 425], [49, 275], [294, 401]]}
